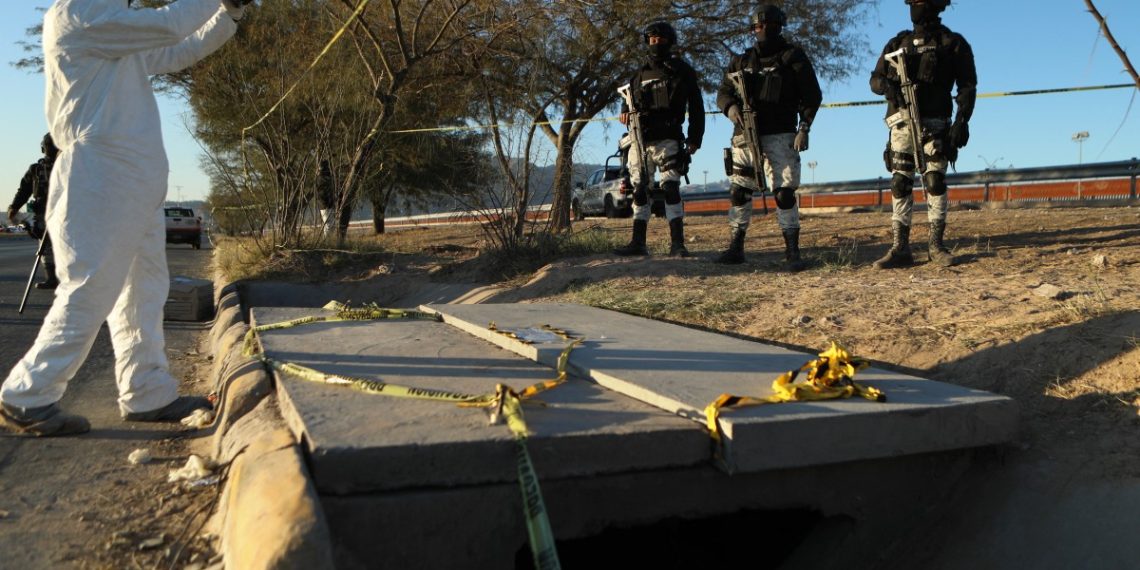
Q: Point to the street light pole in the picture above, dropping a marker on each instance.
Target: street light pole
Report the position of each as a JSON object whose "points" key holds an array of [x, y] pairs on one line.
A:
{"points": [[812, 164], [1079, 138], [706, 180]]}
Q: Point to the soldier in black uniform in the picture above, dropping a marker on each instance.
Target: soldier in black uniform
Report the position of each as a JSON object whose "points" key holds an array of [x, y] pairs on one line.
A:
{"points": [[785, 97], [34, 186], [662, 91], [936, 59]]}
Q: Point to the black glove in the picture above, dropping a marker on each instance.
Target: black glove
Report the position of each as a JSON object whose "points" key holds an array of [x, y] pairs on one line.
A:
{"points": [[733, 113], [895, 95], [959, 134]]}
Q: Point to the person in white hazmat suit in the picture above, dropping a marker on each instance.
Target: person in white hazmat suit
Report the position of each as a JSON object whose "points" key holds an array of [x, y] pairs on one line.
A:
{"points": [[105, 212]]}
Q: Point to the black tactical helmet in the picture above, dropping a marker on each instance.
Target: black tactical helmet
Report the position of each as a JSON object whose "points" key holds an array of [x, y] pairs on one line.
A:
{"points": [[47, 145], [661, 30], [771, 14], [938, 4]]}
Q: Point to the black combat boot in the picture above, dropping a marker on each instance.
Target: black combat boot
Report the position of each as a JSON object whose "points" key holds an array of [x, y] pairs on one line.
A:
{"points": [[52, 281], [677, 238], [792, 259], [734, 255], [899, 255], [938, 252], [636, 245]]}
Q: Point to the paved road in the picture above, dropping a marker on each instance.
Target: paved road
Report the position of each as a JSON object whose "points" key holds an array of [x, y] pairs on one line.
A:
{"points": [[62, 499]]}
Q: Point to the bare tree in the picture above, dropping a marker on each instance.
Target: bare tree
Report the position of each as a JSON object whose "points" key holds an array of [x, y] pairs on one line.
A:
{"points": [[1112, 41]]}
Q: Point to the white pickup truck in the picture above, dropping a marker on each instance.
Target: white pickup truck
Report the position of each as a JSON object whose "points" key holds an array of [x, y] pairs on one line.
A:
{"points": [[603, 193], [607, 192]]}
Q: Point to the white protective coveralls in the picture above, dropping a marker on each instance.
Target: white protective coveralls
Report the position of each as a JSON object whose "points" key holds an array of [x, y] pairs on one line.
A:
{"points": [[108, 187]]}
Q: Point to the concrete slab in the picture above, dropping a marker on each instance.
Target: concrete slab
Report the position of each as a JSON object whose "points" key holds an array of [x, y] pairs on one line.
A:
{"points": [[359, 443], [682, 370]]}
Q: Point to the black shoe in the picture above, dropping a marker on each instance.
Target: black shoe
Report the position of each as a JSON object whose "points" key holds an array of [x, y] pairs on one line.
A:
{"points": [[792, 259], [677, 238], [631, 249], [47, 421], [636, 245], [899, 254], [172, 412], [734, 255], [49, 284]]}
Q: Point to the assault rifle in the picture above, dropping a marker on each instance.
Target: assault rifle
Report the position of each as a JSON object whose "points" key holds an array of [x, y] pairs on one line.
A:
{"points": [[909, 112], [634, 126], [751, 136]]}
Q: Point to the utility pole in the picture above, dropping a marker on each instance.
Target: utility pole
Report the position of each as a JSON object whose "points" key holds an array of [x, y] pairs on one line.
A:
{"points": [[1079, 138]]}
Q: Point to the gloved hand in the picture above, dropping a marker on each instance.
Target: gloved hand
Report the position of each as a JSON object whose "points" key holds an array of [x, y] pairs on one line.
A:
{"points": [[959, 134], [691, 148], [801, 142], [235, 8], [733, 114], [13, 213], [894, 94]]}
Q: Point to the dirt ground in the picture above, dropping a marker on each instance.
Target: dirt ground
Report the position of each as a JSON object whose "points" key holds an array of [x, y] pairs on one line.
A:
{"points": [[78, 502], [1043, 308]]}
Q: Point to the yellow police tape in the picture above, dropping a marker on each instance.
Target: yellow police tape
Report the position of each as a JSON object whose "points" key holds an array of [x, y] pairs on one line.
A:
{"points": [[504, 403], [829, 377]]}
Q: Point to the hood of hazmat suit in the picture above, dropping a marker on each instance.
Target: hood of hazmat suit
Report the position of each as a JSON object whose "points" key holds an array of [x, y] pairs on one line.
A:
{"points": [[108, 186]]}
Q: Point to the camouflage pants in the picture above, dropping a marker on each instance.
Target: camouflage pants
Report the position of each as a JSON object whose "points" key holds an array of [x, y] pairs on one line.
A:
{"points": [[659, 154], [781, 169], [901, 147]]}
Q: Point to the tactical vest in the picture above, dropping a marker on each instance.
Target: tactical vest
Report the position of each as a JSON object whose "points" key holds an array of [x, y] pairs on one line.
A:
{"points": [[654, 92], [42, 180], [930, 61], [766, 77]]}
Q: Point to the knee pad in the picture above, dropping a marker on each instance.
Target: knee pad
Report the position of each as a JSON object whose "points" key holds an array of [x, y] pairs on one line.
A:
{"points": [[935, 183], [672, 191], [640, 195], [740, 195], [901, 185], [785, 198]]}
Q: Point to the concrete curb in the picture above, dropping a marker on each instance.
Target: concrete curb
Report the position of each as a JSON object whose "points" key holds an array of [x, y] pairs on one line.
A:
{"points": [[270, 515]]}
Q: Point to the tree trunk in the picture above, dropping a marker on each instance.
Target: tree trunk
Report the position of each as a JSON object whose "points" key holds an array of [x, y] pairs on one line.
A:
{"points": [[379, 208], [343, 217], [563, 172]]}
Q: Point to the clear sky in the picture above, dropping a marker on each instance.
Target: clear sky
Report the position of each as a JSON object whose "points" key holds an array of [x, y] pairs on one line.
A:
{"points": [[1019, 45]]}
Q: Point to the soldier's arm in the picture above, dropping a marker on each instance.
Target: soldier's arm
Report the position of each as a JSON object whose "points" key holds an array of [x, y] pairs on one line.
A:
{"points": [[27, 184], [811, 96], [726, 95], [966, 77], [883, 76]]}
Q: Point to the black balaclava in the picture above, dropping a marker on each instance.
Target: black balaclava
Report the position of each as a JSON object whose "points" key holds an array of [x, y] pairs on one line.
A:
{"points": [[924, 15], [770, 35], [659, 52]]}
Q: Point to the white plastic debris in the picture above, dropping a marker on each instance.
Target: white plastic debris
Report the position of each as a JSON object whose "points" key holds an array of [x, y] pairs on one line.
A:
{"points": [[195, 468], [140, 456], [199, 419], [535, 335]]}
